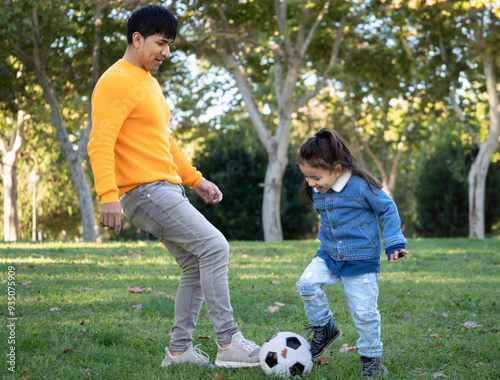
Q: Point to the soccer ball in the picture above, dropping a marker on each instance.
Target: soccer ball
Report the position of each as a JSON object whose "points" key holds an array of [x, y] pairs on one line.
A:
{"points": [[285, 354]]}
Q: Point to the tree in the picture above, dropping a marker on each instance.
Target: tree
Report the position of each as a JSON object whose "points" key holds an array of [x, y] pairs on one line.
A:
{"points": [[458, 38], [50, 37], [270, 60], [10, 147]]}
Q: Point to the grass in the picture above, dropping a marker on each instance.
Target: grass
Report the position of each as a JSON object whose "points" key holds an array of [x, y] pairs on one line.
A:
{"points": [[97, 327]]}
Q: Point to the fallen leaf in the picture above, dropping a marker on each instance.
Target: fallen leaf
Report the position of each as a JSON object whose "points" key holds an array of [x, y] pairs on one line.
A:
{"points": [[420, 372], [160, 293], [205, 337], [80, 269], [99, 274], [345, 348], [272, 309], [471, 325], [68, 351], [435, 336], [171, 296], [137, 307], [82, 322], [280, 304], [439, 374], [407, 315], [444, 315], [56, 308], [87, 372], [29, 266], [322, 361], [135, 289], [83, 331], [151, 339], [479, 363], [24, 374], [289, 261], [219, 377], [275, 282]]}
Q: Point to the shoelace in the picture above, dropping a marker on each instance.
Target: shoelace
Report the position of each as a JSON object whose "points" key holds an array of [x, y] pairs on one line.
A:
{"points": [[318, 337], [248, 345], [200, 355]]}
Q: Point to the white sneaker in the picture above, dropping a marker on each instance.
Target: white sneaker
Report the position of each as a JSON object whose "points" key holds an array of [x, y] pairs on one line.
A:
{"points": [[192, 355], [240, 353]]}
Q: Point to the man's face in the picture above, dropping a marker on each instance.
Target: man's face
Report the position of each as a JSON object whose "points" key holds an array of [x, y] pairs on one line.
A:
{"points": [[151, 51]]}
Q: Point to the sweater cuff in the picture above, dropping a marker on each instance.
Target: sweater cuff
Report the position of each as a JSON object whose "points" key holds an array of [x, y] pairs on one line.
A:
{"points": [[110, 197]]}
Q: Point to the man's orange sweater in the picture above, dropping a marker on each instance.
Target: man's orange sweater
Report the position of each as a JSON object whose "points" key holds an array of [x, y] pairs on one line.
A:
{"points": [[130, 143]]}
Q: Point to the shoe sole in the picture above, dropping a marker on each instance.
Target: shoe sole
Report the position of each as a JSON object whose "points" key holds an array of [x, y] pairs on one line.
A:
{"points": [[328, 345], [222, 364]]}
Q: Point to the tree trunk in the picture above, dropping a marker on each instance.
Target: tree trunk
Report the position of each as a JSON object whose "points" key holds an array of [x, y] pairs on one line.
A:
{"points": [[11, 151], [11, 217], [73, 157], [479, 169]]}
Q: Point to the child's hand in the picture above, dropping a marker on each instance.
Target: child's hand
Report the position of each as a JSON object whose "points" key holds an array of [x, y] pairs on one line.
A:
{"points": [[397, 254]]}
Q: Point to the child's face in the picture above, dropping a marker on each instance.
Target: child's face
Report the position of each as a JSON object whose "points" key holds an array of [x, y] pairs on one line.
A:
{"points": [[322, 180]]}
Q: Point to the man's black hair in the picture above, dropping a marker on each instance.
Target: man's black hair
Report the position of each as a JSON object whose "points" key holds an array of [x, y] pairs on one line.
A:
{"points": [[150, 20]]}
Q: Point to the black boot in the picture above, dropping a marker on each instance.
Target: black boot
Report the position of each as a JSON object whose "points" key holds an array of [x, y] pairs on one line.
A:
{"points": [[372, 366], [323, 337]]}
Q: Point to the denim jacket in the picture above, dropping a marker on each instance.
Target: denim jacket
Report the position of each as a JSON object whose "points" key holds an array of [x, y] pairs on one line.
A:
{"points": [[349, 214]]}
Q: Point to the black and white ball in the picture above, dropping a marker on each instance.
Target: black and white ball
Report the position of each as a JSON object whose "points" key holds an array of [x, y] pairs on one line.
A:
{"points": [[285, 354]]}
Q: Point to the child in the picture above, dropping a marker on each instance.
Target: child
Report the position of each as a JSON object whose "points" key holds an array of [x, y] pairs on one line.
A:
{"points": [[349, 201]]}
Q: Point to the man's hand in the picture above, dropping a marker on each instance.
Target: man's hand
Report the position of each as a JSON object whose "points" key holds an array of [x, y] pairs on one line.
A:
{"points": [[208, 191], [397, 254], [111, 216]]}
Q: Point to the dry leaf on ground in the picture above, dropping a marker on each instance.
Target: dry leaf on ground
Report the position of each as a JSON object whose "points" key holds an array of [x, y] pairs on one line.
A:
{"points": [[135, 289], [439, 374], [346, 348], [272, 309], [471, 325]]}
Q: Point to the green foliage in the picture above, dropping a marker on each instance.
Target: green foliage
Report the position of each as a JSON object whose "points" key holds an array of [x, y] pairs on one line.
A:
{"points": [[442, 192], [95, 323], [236, 163]]}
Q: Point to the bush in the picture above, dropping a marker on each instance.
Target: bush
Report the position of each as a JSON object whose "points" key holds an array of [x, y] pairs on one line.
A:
{"points": [[238, 167], [442, 193]]}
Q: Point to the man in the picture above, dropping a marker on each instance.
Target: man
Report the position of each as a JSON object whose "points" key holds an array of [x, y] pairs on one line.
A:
{"points": [[138, 166]]}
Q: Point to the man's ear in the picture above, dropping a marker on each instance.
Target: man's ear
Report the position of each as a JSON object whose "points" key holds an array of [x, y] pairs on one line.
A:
{"points": [[137, 39]]}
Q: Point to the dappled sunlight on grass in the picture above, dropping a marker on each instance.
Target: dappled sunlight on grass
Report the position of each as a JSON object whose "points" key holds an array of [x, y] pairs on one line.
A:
{"points": [[97, 322]]}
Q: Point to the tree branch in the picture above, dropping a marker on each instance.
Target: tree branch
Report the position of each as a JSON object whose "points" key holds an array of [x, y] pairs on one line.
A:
{"points": [[280, 7], [453, 93], [94, 75], [310, 35], [332, 62]]}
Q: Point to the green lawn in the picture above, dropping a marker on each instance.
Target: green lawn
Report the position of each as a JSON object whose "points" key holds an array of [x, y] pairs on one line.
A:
{"points": [[75, 314]]}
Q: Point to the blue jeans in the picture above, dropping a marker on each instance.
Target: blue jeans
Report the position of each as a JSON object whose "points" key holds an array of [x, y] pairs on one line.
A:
{"points": [[361, 293], [201, 250]]}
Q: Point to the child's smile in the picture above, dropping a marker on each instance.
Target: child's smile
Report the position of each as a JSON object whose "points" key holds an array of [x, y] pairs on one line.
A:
{"points": [[322, 180]]}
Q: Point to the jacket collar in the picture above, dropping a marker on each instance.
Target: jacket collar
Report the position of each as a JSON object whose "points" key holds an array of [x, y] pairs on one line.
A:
{"points": [[340, 183]]}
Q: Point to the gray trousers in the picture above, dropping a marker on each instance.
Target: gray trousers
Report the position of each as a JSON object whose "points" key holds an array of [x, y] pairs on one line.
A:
{"points": [[202, 252]]}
